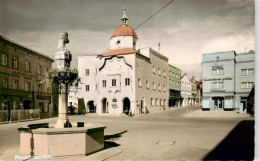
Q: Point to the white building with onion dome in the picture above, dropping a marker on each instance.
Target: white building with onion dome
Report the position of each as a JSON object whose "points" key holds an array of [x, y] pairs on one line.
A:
{"points": [[124, 78]]}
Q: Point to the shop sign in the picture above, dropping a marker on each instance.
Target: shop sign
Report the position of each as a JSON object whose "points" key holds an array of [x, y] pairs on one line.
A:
{"points": [[217, 90], [40, 97], [218, 79], [28, 75], [114, 103]]}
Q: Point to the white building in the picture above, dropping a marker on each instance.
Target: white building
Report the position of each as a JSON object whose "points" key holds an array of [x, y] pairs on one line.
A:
{"points": [[186, 88], [123, 79]]}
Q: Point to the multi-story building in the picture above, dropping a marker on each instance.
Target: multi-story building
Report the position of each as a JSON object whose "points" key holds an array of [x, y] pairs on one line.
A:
{"points": [[124, 79], [199, 91], [227, 80], [245, 78], [21, 75], [174, 86], [186, 95], [194, 92]]}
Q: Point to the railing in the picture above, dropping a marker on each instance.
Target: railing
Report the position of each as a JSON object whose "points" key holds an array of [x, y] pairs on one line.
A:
{"points": [[3, 116], [19, 115]]}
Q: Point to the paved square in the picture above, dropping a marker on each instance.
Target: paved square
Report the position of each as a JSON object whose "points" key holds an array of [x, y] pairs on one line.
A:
{"points": [[136, 138]]}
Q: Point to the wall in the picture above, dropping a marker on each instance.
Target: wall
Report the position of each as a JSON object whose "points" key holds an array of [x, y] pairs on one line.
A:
{"points": [[227, 61], [144, 72]]}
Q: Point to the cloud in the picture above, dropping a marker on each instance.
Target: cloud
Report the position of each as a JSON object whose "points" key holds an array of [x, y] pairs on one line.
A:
{"points": [[186, 29]]}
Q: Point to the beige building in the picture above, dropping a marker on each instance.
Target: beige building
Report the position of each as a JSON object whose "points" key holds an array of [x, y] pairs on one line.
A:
{"points": [[124, 79], [21, 79]]}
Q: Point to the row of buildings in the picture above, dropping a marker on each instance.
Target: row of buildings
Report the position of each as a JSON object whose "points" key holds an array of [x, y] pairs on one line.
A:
{"points": [[121, 80], [126, 79], [22, 71]]}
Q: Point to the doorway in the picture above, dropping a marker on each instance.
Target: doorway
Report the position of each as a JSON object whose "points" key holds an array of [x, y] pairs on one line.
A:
{"points": [[218, 102], [104, 105], [91, 107], [126, 105]]}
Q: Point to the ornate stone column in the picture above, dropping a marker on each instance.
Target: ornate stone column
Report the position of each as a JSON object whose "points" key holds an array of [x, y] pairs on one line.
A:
{"points": [[63, 59], [63, 105]]}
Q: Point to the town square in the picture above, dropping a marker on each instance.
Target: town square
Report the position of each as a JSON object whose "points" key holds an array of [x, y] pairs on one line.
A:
{"points": [[128, 80]]}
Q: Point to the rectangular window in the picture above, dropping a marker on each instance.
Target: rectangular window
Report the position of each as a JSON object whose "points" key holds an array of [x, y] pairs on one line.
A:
{"points": [[27, 66], [4, 59], [46, 70], [38, 69], [247, 71], [127, 81], [39, 89], [159, 71], [15, 63], [152, 101], [164, 74], [154, 69], [113, 82], [217, 85], [46, 89], [247, 85], [15, 105], [159, 87], [87, 87], [104, 83], [217, 71], [165, 102], [5, 83], [170, 73], [15, 84], [164, 88], [153, 86], [27, 86], [147, 84], [87, 71], [139, 82]]}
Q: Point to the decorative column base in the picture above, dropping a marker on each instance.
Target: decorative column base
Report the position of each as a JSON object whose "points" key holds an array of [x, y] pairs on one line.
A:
{"points": [[62, 122]]}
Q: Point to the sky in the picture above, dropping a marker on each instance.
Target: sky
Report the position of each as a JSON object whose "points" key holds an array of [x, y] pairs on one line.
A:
{"points": [[185, 29]]}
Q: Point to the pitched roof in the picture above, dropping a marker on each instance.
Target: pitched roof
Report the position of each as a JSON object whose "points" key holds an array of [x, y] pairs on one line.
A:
{"points": [[120, 52]]}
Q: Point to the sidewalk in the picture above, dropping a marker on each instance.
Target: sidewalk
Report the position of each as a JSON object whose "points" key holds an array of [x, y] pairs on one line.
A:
{"points": [[215, 114]]}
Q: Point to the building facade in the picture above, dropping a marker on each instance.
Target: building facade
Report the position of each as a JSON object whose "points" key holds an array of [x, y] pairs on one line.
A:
{"points": [[227, 79], [174, 86], [245, 78], [21, 75], [186, 88], [124, 79]]}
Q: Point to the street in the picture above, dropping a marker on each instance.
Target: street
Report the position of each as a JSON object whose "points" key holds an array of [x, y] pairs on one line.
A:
{"points": [[163, 135]]}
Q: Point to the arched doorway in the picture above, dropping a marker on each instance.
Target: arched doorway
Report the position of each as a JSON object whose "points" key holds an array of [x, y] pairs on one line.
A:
{"points": [[104, 105], [91, 107], [126, 105], [27, 104]]}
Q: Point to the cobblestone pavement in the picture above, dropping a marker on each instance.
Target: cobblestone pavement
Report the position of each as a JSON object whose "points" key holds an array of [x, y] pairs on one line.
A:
{"points": [[166, 135]]}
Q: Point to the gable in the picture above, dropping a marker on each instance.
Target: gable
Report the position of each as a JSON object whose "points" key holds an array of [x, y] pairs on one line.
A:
{"points": [[115, 65]]}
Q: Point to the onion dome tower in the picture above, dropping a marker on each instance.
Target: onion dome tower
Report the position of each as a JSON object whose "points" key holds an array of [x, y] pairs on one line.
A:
{"points": [[124, 39]]}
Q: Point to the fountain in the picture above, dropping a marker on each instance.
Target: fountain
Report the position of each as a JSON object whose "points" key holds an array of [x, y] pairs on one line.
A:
{"points": [[63, 138]]}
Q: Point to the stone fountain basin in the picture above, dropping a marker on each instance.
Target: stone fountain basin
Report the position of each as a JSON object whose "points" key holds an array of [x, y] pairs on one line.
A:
{"points": [[62, 141]]}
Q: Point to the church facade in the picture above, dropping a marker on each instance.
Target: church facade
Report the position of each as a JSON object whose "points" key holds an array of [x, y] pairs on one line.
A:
{"points": [[124, 80]]}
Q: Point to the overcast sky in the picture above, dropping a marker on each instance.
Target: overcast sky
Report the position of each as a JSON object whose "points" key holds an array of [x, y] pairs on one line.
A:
{"points": [[186, 28]]}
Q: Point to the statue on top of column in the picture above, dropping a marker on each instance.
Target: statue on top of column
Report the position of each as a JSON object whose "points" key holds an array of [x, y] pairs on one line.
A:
{"points": [[63, 56]]}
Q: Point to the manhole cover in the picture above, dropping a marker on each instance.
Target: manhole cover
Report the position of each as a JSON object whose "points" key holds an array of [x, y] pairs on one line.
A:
{"points": [[166, 142]]}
